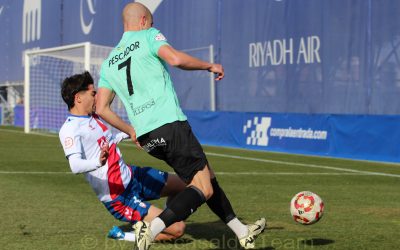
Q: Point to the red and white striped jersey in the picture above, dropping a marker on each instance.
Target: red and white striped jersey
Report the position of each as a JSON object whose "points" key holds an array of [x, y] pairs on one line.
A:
{"points": [[85, 135]]}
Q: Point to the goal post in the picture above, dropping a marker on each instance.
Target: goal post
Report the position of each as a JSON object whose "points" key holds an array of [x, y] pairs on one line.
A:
{"points": [[45, 69], [205, 53]]}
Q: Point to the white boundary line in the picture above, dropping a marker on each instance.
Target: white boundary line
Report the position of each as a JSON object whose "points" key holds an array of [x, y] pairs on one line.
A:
{"points": [[31, 133], [268, 161], [34, 173], [302, 165]]}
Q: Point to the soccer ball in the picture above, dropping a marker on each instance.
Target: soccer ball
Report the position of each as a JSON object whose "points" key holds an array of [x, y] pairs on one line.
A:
{"points": [[306, 208]]}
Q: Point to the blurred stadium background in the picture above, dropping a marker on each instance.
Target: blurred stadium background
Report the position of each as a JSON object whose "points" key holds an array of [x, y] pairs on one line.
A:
{"points": [[308, 76], [303, 77]]}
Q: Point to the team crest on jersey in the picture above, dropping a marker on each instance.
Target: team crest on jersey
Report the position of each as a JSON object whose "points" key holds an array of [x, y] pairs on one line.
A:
{"points": [[102, 141], [68, 142], [160, 37]]}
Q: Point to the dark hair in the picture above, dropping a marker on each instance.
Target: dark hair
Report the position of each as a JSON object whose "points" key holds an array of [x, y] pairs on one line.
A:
{"points": [[72, 85]]}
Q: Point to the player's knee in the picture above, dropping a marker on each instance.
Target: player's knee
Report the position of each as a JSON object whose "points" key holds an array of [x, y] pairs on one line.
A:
{"points": [[180, 229], [208, 192], [177, 229]]}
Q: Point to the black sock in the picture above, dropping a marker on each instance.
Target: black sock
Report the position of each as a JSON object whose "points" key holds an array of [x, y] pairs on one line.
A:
{"points": [[183, 205], [220, 204]]}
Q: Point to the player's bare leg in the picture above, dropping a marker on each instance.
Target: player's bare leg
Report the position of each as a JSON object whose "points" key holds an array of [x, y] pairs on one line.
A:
{"points": [[201, 181], [173, 186], [202, 188], [184, 204]]}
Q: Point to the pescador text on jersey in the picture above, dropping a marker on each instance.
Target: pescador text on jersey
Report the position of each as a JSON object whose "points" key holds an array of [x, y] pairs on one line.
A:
{"points": [[122, 55]]}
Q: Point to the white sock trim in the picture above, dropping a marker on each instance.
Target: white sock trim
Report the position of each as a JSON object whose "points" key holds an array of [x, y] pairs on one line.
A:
{"points": [[156, 226], [238, 228], [129, 236]]}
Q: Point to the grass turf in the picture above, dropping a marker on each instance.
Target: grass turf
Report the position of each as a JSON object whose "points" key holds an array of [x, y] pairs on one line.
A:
{"points": [[45, 210]]}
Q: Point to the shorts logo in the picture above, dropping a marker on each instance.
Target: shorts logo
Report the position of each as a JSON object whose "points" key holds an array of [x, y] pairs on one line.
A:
{"points": [[68, 142], [139, 201], [154, 143], [128, 213], [257, 131]]}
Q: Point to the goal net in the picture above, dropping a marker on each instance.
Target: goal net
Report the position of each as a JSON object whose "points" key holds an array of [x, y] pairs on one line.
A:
{"points": [[45, 69], [45, 111]]}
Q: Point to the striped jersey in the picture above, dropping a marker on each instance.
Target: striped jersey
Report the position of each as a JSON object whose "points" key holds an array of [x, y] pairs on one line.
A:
{"points": [[85, 135]]}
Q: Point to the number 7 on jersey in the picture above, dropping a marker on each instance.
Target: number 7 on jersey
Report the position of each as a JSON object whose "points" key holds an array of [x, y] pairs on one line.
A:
{"points": [[127, 64]]}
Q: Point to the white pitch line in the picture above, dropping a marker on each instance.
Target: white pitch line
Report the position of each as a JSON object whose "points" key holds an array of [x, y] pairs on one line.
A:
{"points": [[302, 165], [31, 133], [31, 172], [282, 173], [266, 161]]}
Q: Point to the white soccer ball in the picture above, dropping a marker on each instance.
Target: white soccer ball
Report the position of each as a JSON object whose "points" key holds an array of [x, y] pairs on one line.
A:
{"points": [[306, 208]]}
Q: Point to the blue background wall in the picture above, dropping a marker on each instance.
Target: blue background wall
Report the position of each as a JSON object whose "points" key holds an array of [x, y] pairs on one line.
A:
{"points": [[334, 63]]}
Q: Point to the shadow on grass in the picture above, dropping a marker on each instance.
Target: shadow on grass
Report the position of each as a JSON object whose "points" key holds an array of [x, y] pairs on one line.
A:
{"points": [[219, 235], [317, 242], [216, 233], [182, 240]]}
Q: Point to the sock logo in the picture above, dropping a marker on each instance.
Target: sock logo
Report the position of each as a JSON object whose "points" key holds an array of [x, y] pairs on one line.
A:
{"points": [[257, 131]]}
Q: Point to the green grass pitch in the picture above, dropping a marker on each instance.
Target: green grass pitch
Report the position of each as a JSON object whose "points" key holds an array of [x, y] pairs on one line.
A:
{"points": [[43, 206]]}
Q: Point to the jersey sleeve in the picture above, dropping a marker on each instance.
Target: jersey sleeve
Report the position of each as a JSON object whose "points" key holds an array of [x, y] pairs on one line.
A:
{"points": [[120, 137], [79, 165], [103, 82], [156, 40], [70, 140]]}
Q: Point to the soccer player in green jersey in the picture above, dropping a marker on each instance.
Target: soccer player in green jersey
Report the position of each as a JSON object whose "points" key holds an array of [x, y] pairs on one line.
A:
{"points": [[136, 70]]}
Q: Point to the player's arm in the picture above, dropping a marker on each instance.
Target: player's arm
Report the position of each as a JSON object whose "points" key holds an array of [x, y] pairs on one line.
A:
{"points": [[120, 137], [72, 146], [103, 109], [184, 61], [79, 165]]}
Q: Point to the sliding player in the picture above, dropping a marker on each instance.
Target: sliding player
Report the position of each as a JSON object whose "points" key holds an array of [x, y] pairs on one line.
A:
{"points": [[92, 149]]}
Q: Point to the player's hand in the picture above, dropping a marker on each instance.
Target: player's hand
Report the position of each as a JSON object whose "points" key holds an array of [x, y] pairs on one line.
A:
{"points": [[104, 152], [218, 70], [132, 134]]}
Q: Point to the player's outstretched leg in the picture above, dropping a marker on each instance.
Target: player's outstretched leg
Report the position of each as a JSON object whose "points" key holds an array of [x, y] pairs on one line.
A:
{"points": [[181, 207]]}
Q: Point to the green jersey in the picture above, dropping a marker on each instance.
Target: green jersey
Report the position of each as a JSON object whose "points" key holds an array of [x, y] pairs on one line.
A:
{"points": [[141, 80]]}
